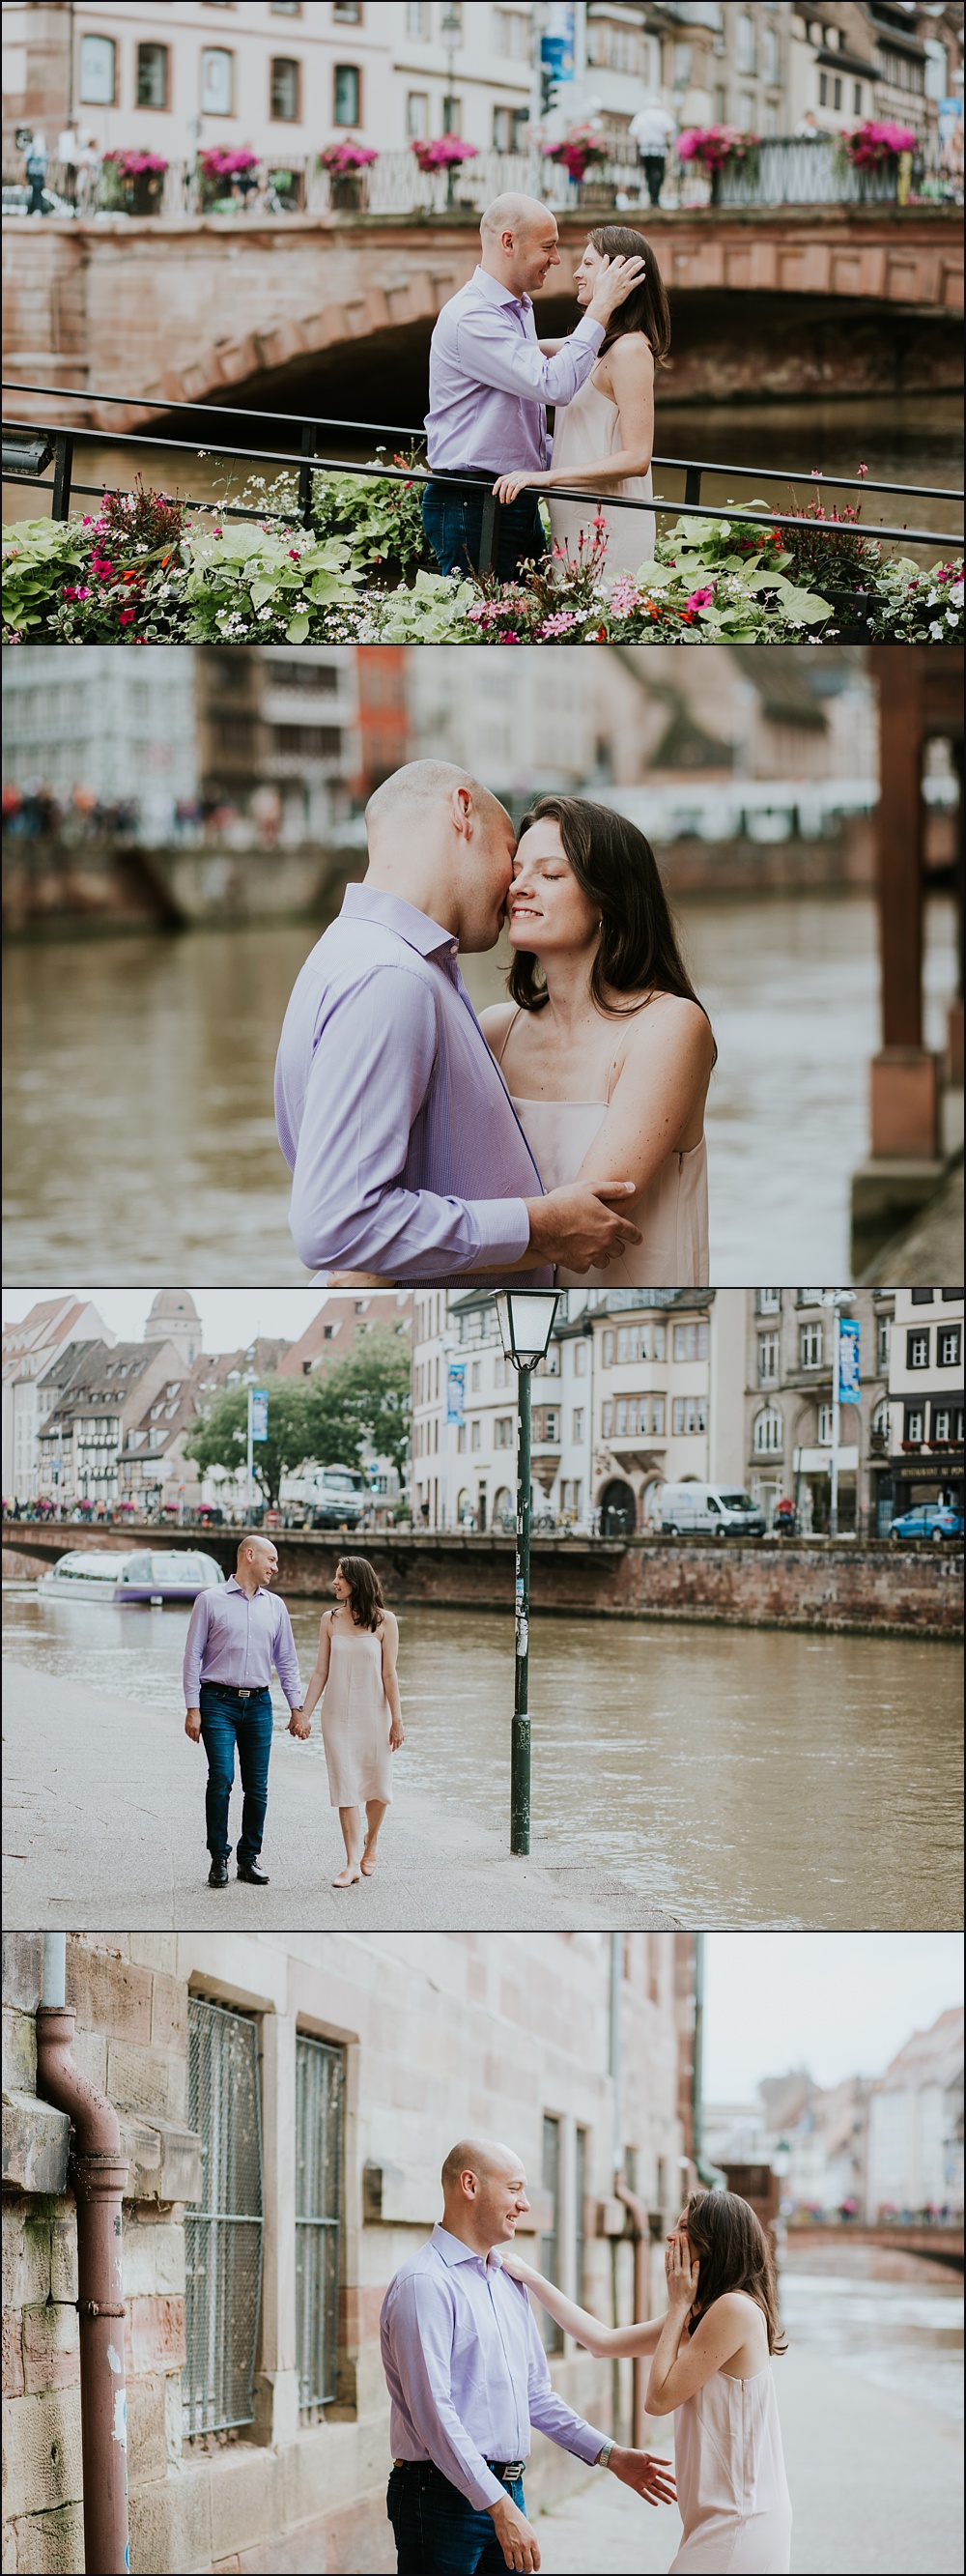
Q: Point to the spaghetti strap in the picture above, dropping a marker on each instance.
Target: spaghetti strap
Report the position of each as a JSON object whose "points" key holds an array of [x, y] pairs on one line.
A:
{"points": [[506, 1033], [610, 1078]]}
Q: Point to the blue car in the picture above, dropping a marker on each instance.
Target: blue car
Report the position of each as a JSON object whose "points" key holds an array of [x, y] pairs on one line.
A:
{"points": [[928, 1520]]}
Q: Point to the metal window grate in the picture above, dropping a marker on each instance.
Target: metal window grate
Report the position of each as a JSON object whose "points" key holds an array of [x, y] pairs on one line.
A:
{"points": [[550, 2241], [319, 2082], [223, 2233]]}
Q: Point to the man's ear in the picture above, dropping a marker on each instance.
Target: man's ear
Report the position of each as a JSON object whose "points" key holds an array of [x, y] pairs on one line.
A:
{"points": [[463, 812]]}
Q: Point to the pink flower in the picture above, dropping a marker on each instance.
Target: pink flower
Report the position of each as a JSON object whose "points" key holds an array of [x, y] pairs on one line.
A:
{"points": [[559, 624], [624, 596], [127, 617], [511, 637], [293, 552], [699, 599]]}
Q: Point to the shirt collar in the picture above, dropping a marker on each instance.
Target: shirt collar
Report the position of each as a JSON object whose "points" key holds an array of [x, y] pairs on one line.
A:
{"points": [[454, 2251], [491, 288], [233, 1585], [372, 903]]}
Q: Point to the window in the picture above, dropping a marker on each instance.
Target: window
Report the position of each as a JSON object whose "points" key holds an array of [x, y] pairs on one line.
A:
{"points": [[476, 1435], [550, 2242], [745, 42], [941, 1422], [97, 73], [836, 93], [345, 94], [417, 18], [823, 89], [880, 1422], [510, 129], [768, 1436], [286, 90], [825, 1426], [690, 1413], [580, 2200], [503, 1431], [857, 97], [810, 1345], [417, 116], [948, 1345], [502, 1373], [511, 33], [152, 76], [578, 1422], [770, 66], [769, 1349], [915, 1424], [223, 2232], [917, 1350], [452, 115], [476, 1376], [461, 1439], [690, 1341], [217, 81], [768, 1301], [883, 1344], [546, 1423], [319, 2075], [580, 1359], [306, 742], [922, 1296], [349, 11]]}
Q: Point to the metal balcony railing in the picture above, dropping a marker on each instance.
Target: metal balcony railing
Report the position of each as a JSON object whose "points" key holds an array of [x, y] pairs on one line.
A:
{"points": [[26, 446]]}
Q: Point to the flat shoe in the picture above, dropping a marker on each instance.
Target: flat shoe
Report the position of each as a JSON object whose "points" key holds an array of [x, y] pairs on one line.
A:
{"points": [[367, 1867]]}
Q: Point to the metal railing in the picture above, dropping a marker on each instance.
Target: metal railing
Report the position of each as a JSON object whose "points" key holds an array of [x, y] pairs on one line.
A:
{"points": [[61, 442]]}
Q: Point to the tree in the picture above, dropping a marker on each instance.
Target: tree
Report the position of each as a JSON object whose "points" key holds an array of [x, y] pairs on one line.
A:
{"points": [[362, 1401], [220, 1438]]}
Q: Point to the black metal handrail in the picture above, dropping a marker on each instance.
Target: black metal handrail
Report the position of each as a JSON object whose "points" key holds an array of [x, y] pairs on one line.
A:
{"points": [[308, 463]]}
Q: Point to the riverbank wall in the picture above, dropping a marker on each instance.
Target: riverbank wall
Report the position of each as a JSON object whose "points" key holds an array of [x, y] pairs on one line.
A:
{"points": [[867, 1588], [52, 887]]}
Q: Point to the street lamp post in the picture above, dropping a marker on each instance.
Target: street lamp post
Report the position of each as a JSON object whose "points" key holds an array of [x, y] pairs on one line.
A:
{"points": [[526, 1319]]}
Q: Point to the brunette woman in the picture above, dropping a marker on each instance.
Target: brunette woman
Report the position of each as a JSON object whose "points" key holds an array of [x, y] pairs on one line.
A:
{"points": [[355, 1678]]}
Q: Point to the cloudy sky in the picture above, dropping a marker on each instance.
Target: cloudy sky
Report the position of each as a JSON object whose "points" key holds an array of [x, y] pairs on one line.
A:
{"points": [[840, 2003], [230, 1317]]}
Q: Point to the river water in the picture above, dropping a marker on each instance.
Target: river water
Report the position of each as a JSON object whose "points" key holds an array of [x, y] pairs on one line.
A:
{"points": [[138, 1087], [900, 439], [892, 2319], [737, 1777]]}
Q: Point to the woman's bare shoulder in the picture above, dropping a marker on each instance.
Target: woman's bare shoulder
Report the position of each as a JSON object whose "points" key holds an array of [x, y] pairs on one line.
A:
{"points": [[665, 1017], [496, 1022], [629, 355]]}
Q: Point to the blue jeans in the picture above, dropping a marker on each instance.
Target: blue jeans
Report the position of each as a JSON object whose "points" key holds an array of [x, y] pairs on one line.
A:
{"points": [[226, 1724], [453, 521], [437, 2533]]}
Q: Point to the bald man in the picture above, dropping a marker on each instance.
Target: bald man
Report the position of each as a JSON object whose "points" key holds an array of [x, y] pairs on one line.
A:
{"points": [[490, 382], [467, 2377], [407, 1157]]}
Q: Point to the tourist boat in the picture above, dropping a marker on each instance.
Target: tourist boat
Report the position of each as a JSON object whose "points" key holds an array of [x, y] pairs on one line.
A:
{"points": [[134, 1574]]}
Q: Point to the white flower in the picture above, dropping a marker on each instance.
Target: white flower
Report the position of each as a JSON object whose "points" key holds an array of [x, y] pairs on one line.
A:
{"points": [[935, 628]]}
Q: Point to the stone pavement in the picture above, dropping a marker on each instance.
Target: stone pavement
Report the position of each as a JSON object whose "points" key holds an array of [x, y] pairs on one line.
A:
{"points": [[103, 1828], [875, 2479]]}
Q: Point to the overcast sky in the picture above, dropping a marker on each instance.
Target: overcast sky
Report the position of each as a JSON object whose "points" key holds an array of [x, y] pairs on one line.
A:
{"points": [[230, 1317], [840, 2003]]}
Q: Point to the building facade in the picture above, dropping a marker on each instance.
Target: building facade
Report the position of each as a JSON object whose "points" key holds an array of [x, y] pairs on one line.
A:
{"points": [[921, 1459], [31, 1350], [638, 1389], [788, 1405], [121, 727], [915, 2148], [326, 2075], [107, 1389]]}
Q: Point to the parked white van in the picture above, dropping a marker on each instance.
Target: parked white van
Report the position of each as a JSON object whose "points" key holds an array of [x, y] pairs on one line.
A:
{"points": [[713, 1508]]}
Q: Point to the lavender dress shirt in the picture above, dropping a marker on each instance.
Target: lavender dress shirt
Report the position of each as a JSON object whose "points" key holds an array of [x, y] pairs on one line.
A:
{"points": [[236, 1638], [466, 2371], [407, 1155], [488, 383]]}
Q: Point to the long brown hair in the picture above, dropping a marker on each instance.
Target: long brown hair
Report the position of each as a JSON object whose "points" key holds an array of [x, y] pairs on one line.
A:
{"points": [[616, 869], [646, 308], [365, 1593], [734, 2254]]}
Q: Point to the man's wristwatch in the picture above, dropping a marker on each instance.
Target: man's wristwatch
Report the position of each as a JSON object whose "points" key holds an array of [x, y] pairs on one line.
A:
{"points": [[603, 2456]]}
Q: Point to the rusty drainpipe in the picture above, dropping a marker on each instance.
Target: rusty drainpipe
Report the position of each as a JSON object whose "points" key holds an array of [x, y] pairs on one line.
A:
{"points": [[99, 2177], [640, 2230]]}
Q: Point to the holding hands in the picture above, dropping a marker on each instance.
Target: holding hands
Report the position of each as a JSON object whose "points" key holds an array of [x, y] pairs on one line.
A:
{"points": [[299, 1724]]}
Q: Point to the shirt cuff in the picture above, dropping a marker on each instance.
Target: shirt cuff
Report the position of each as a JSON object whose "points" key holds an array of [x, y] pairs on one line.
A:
{"points": [[587, 326], [504, 1228], [585, 2443]]}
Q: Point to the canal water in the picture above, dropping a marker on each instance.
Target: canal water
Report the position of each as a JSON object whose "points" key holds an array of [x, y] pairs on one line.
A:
{"points": [[900, 439], [892, 2319], [734, 1776], [138, 1092]]}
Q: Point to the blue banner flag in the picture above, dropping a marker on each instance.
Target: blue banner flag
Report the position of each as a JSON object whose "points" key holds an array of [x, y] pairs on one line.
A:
{"points": [[456, 1392], [849, 1388], [259, 1405]]}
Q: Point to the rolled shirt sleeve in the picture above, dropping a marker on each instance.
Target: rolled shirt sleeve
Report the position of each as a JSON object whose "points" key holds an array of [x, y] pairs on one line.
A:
{"points": [[549, 2412], [194, 1649], [423, 2321], [286, 1659], [368, 1082], [516, 365]]}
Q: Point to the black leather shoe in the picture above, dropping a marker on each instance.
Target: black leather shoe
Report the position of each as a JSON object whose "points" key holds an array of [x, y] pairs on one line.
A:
{"points": [[256, 1877], [218, 1874]]}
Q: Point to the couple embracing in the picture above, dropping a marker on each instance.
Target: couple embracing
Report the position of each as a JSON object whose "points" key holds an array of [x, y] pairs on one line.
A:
{"points": [[558, 1137], [468, 2377]]}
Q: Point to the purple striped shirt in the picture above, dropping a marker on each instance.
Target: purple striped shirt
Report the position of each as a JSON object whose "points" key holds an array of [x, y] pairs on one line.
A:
{"points": [[489, 382], [466, 2371], [406, 1152]]}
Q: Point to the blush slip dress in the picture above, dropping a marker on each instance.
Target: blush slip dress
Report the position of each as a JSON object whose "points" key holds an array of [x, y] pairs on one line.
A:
{"points": [[732, 2490], [356, 1718], [671, 1213], [585, 429]]}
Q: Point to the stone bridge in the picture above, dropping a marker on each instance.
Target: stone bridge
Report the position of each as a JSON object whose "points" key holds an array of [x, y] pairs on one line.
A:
{"points": [[830, 1586], [323, 311], [939, 2244]]}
